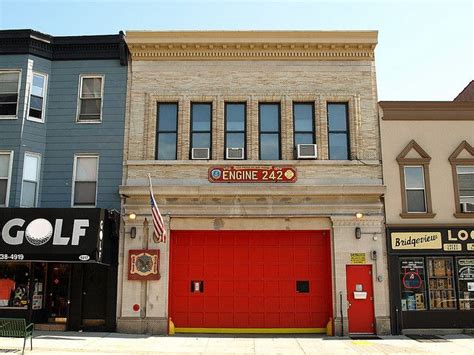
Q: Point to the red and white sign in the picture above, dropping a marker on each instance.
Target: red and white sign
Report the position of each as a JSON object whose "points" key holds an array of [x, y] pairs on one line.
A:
{"points": [[249, 174]]}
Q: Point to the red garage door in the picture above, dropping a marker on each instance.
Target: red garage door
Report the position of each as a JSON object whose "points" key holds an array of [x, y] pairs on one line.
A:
{"points": [[250, 279]]}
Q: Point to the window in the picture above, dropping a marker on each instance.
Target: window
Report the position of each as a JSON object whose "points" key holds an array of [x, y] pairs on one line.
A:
{"points": [[414, 165], [6, 160], [465, 175], [441, 283], [412, 277], [37, 98], [31, 174], [201, 114], [90, 98], [14, 284], [465, 267], [9, 85], [269, 128], [303, 122], [235, 121], [166, 131], [338, 131], [462, 165], [85, 180], [415, 189]]}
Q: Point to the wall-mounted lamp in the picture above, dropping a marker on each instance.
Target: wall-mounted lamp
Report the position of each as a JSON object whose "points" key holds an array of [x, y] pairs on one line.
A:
{"points": [[133, 232], [132, 216], [359, 215], [358, 233]]}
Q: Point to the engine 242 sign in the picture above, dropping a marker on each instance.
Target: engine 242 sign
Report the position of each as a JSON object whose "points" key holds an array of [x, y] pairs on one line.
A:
{"points": [[249, 174]]}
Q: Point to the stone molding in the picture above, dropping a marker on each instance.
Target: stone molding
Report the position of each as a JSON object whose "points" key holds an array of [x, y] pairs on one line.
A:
{"points": [[252, 45], [352, 221]]}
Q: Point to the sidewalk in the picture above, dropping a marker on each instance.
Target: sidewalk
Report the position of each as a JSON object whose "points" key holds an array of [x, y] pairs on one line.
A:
{"points": [[115, 343]]}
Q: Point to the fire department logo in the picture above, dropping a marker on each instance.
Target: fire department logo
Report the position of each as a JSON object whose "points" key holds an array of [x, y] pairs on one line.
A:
{"points": [[216, 174], [289, 174]]}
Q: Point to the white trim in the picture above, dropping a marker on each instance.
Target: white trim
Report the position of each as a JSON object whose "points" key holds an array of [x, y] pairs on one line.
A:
{"points": [[11, 117], [417, 188], [43, 109], [79, 94], [84, 155], [38, 174], [9, 175]]}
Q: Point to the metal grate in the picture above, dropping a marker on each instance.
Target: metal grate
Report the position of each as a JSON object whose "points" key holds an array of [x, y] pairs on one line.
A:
{"points": [[427, 338]]}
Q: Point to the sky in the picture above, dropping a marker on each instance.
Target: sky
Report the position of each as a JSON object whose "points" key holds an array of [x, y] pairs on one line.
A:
{"points": [[425, 49]]}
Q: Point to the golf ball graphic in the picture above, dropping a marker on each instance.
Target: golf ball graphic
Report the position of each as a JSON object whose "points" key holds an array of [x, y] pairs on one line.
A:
{"points": [[39, 231]]}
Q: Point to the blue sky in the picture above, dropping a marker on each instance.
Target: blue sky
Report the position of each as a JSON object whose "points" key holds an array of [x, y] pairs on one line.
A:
{"points": [[425, 50]]}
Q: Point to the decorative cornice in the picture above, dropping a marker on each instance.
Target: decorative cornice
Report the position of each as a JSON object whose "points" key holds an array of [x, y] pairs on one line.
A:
{"points": [[252, 45], [427, 110]]}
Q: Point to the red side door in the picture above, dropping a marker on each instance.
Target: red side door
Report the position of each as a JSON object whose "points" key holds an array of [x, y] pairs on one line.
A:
{"points": [[360, 298]]}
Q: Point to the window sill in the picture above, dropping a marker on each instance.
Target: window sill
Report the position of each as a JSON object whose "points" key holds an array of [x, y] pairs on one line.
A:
{"points": [[464, 214], [8, 117], [88, 121], [417, 215], [37, 120]]}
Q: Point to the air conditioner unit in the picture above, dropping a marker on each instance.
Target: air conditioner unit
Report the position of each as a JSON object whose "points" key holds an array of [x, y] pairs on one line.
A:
{"points": [[467, 207], [200, 153], [234, 153], [307, 151]]}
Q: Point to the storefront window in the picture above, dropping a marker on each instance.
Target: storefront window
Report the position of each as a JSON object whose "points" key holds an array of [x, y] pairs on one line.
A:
{"points": [[466, 283], [412, 275], [441, 283], [14, 285]]}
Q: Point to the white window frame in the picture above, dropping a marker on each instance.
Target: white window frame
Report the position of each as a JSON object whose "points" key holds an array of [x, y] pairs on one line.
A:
{"points": [[79, 98], [84, 155], [415, 189], [45, 88], [10, 153], [457, 176], [13, 117], [38, 174]]}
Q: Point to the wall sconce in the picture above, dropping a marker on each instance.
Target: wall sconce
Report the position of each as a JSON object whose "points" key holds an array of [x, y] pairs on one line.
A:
{"points": [[132, 216], [359, 215], [358, 233], [133, 232]]}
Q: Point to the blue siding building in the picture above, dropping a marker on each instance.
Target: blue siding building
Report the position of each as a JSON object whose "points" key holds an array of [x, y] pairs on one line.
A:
{"points": [[62, 118]]}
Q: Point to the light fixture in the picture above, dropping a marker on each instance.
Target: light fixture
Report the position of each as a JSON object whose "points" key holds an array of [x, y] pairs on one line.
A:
{"points": [[133, 232], [358, 233], [132, 216], [359, 215]]}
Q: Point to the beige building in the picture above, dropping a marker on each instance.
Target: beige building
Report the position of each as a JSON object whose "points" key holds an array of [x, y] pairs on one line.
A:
{"points": [[428, 168], [262, 149]]}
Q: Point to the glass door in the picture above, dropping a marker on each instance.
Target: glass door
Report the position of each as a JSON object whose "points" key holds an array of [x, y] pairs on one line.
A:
{"points": [[57, 301]]}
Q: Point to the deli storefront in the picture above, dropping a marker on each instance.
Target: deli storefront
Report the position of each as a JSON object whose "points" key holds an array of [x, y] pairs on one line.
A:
{"points": [[431, 277], [58, 267]]}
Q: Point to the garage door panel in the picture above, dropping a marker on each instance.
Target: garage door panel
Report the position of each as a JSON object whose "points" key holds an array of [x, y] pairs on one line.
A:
{"points": [[249, 279]]}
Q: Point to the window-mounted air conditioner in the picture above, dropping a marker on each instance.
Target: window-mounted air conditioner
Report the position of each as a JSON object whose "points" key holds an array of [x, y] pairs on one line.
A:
{"points": [[467, 207], [200, 153], [234, 153], [307, 151]]}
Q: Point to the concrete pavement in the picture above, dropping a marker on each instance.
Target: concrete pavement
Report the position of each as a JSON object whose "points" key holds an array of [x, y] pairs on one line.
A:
{"points": [[114, 343]]}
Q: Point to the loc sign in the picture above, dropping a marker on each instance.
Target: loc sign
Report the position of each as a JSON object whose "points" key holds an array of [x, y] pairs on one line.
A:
{"points": [[249, 174]]}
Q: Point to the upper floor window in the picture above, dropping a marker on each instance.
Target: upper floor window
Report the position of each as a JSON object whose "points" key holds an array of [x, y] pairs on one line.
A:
{"points": [[338, 131], [166, 131], [201, 128], [30, 183], [91, 90], [37, 98], [235, 121], [269, 129], [85, 180], [303, 123], [415, 189], [9, 87], [465, 176], [6, 160], [415, 182]]}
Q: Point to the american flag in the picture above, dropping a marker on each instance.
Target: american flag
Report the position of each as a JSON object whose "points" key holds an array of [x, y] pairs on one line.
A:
{"points": [[159, 229]]}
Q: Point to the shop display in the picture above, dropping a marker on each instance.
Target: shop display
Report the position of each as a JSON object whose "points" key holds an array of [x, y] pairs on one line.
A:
{"points": [[14, 285], [465, 268], [441, 283], [412, 274]]}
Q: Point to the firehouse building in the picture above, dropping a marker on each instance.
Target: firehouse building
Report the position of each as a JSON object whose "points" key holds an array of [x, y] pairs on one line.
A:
{"points": [[263, 151]]}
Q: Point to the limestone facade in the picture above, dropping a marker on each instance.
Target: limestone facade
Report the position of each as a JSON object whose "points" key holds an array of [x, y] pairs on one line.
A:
{"points": [[252, 67]]}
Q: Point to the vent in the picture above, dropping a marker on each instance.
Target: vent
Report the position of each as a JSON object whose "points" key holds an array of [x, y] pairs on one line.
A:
{"points": [[200, 153], [234, 153], [467, 207], [306, 151]]}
